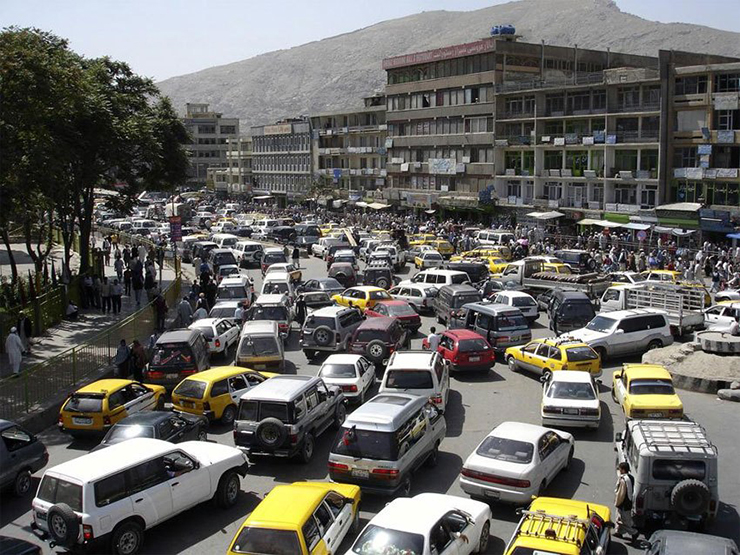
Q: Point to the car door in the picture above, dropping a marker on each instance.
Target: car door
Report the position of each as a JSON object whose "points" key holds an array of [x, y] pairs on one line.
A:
{"points": [[528, 360], [446, 347], [557, 453], [144, 397], [624, 335], [318, 408], [620, 388], [367, 374], [329, 533], [442, 373], [463, 533], [341, 512], [14, 452], [150, 491], [189, 482], [238, 386]]}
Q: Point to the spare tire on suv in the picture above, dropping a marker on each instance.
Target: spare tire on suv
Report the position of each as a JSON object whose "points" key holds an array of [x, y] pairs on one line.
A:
{"points": [[322, 336], [690, 498], [64, 527], [270, 433], [377, 351]]}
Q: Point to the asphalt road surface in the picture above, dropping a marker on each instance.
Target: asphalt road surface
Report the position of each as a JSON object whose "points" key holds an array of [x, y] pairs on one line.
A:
{"points": [[477, 404]]}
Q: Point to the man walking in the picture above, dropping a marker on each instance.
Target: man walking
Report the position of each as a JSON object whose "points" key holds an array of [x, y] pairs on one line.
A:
{"points": [[624, 493], [14, 348], [139, 356], [121, 360], [160, 307], [116, 291], [184, 313], [433, 339], [296, 256]]}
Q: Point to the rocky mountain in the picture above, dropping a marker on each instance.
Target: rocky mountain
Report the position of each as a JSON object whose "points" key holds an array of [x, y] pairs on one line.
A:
{"points": [[334, 73]]}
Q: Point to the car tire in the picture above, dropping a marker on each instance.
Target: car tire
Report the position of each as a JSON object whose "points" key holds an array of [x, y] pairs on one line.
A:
{"points": [[270, 433], [22, 483], [569, 460], [355, 528], [228, 416], [655, 344], [546, 375], [602, 353], [511, 361], [690, 498], [202, 435], [541, 489], [63, 524], [307, 448], [340, 415], [227, 493], [127, 538], [614, 396], [376, 351], [433, 458], [484, 536], [322, 336], [160, 403]]}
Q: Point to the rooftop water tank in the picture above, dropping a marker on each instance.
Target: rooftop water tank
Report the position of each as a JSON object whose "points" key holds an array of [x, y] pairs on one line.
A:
{"points": [[497, 30]]}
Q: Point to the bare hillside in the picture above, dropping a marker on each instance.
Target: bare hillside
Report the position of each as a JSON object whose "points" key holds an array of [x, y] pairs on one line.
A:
{"points": [[336, 72]]}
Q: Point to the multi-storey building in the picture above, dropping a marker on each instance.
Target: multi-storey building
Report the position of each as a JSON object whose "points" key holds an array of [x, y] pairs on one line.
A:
{"points": [[281, 160], [349, 148], [210, 133], [236, 177]]}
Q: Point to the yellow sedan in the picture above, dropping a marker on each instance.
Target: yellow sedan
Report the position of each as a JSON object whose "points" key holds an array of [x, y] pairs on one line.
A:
{"points": [[544, 356], [362, 297], [646, 391]]}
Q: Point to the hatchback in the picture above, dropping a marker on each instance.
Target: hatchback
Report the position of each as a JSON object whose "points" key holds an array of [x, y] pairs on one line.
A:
{"points": [[465, 350]]}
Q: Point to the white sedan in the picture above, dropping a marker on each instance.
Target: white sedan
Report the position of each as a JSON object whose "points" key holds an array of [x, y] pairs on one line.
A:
{"points": [[522, 301], [221, 333], [516, 461], [419, 295], [354, 374], [569, 399], [430, 523]]}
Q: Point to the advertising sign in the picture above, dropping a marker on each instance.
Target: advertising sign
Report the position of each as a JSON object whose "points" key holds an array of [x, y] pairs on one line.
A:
{"points": [[176, 228]]}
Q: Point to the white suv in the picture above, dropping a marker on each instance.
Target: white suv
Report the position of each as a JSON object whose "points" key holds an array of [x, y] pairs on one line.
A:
{"points": [[421, 373], [115, 494]]}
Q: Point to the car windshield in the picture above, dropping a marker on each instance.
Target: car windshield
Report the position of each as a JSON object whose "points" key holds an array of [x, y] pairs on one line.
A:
{"points": [[401, 310], [172, 355], [276, 287], [577, 311], [258, 346], [472, 345], [329, 284], [523, 301], [316, 321], [651, 387], [82, 402], [381, 541], [229, 242], [274, 258], [571, 390], [510, 321], [222, 312], [460, 301], [120, 433], [509, 450], [267, 541], [601, 324], [409, 379], [379, 295], [55, 490], [224, 258], [366, 444], [190, 388], [277, 313], [338, 371], [236, 292], [580, 354]]}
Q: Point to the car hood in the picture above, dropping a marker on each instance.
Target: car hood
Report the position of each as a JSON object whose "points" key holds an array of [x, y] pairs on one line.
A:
{"points": [[587, 335]]}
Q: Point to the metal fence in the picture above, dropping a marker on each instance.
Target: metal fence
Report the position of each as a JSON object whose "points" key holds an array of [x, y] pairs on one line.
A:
{"points": [[61, 373]]}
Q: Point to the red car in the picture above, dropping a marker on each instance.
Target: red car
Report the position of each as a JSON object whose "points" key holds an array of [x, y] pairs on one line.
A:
{"points": [[465, 349], [401, 310]]}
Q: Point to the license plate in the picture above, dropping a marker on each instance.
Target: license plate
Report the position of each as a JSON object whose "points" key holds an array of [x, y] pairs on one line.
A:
{"points": [[360, 473], [172, 376], [492, 494], [474, 359], [570, 411], [81, 421], [655, 414], [188, 404]]}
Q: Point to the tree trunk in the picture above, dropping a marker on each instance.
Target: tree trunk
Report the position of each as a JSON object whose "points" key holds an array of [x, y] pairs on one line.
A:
{"points": [[27, 233], [85, 219], [11, 258]]}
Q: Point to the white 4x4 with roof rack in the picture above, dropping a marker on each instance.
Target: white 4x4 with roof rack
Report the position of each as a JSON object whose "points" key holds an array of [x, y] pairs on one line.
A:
{"points": [[674, 466], [117, 493]]}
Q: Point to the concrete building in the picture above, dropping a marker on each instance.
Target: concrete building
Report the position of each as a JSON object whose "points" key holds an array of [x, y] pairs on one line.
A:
{"points": [[236, 177], [349, 149], [282, 164], [210, 132]]}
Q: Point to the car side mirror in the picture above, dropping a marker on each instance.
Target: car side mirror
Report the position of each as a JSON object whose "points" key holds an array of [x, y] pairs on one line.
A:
{"points": [[544, 379], [619, 331], [348, 501], [618, 437]]}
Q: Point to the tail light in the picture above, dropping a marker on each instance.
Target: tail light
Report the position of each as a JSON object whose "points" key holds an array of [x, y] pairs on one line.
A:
{"points": [[493, 479], [217, 342], [349, 388], [552, 410], [338, 467], [206, 405], [106, 420], [60, 420], [455, 359], [565, 366], [385, 473], [589, 412], [155, 375], [87, 532], [502, 339], [436, 399], [293, 438], [189, 371]]}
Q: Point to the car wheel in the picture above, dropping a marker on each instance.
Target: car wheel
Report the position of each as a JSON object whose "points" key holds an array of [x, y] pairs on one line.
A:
{"points": [[322, 335], [22, 483], [306, 453], [614, 395], [355, 529], [602, 353], [228, 416], [484, 535], [160, 403], [228, 490], [546, 375], [433, 458], [511, 361], [340, 414], [63, 524], [570, 458], [654, 344], [127, 538], [202, 435], [383, 283], [376, 350]]}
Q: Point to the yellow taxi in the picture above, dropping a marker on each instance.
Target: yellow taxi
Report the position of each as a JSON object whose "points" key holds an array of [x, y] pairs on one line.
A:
{"points": [[215, 393], [626, 278], [545, 356], [674, 276], [443, 246], [564, 526], [646, 391], [421, 238], [480, 252], [362, 296], [557, 268], [93, 409], [301, 518], [326, 229]]}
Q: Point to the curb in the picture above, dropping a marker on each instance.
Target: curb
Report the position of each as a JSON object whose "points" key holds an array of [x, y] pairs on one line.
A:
{"points": [[701, 385]]}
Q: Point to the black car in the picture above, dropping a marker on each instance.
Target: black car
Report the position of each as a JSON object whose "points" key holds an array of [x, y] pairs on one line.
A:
{"points": [[379, 274], [305, 242], [282, 234], [327, 285], [21, 454], [169, 426], [477, 271], [308, 230], [243, 231]]}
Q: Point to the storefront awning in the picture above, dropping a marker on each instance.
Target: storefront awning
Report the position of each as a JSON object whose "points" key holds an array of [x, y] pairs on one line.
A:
{"points": [[733, 235], [361, 204], [430, 212], [378, 205], [600, 223], [680, 207], [264, 197], [545, 215], [636, 226], [674, 231]]}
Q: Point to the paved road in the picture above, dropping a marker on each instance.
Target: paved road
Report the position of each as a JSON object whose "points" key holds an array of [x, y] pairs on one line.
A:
{"points": [[477, 404]]}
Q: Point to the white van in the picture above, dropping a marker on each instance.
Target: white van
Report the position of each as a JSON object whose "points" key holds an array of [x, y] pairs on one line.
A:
{"points": [[225, 240], [487, 237], [261, 227], [422, 373], [138, 225], [438, 278]]}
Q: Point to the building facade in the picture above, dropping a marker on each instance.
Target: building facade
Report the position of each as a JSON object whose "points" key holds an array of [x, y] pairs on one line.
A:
{"points": [[236, 177], [210, 132], [282, 164], [349, 151]]}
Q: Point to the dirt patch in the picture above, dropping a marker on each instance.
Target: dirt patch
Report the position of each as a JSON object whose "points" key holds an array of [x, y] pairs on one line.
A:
{"points": [[687, 359]]}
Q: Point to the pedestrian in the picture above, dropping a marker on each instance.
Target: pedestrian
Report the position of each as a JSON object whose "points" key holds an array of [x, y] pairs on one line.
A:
{"points": [[122, 360], [139, 359], [106, 250], [89, 298], [126, 253], [14, 348], [127, 278], [116, 291], [149, 283], [97, 290], [735, 327], [200, 313], [160, 308], [239, 313], [118, 265], [184, 313], [296, 256], [245, 314], [211, 293], [25, 331], [433, 339], [300, 310], [105, 293], [624, 494]]}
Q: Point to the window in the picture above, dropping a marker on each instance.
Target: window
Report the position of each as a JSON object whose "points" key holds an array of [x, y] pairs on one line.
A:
{"points": [[219, 388], [311, 533], [651, 96], [690, 120], [625, 194], [648, 196], [312, 399], [649, 162], [323, 518], [147, 475], [237, 382], [579, 101], [625, 160], [554, 104], [679, 470], [598, 99], [727, 82], [691, 85], [684, 157], [727, 120], [628, 97], [111, 489], [553, 159], [56, 490], [15, 438]]}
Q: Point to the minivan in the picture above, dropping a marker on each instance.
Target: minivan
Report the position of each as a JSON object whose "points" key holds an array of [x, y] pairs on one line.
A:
{"points": [[273, 308], [280, 283], [384, 441], [273, 255], [450, 298], [220, 257], [437, 278], [248, 253], [260, 346], [176, 355], [569, 310], [502, 325]]}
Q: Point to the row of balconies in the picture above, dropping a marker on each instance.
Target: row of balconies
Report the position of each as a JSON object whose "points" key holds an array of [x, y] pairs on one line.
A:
{"points": [[611, 173], [352, 129], [351, 150], [706, 173], [577, 139], [353, 171], [472, 168], [549, 113]]}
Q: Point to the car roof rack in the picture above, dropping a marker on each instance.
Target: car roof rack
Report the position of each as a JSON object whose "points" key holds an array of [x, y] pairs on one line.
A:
{"points": [[680, 436], [555, 527]]}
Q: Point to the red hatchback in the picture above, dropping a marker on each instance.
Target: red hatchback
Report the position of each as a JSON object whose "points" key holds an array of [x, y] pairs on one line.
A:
{"points": [[465, 349], [403, 311]]}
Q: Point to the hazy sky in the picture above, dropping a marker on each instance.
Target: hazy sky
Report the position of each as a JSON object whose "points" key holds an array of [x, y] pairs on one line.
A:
{"points": [[163, 38]]}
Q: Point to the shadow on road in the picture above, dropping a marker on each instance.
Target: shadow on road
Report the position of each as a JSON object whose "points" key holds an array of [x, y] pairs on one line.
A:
{"points": [[455, 414], [15, 507]]}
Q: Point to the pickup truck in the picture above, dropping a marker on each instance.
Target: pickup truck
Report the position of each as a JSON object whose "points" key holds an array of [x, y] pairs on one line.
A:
{"points": [[684, 305], [530, 276]]}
